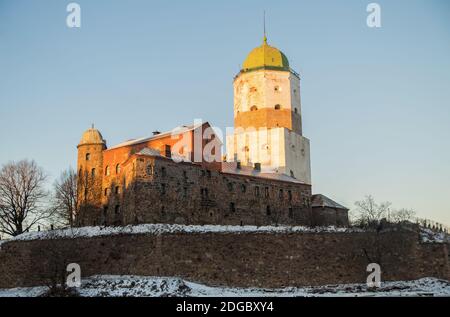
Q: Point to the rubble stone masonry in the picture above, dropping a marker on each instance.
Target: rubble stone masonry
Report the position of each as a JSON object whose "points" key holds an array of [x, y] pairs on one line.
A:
{"points": [[246, 259]]}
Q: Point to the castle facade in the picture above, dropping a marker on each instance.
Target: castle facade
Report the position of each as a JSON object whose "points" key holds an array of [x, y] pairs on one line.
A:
{"points": [[181, 177]]}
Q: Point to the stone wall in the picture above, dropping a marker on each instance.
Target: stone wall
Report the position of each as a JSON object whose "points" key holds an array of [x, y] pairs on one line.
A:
{"points": [[159, 190], [261, 259]]}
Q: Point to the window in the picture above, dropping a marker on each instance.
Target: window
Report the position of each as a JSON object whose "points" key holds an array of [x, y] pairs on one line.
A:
{"points": [[230, 187], [232, 207], [280, 194], [277, 107], [204, 193], [253, 108], [117, 209], [266, 191], [184, 174], [257, 191], [163, 189], [149, 169], [107, 170], [163, 172], [208, 172], [117, 190], [117, 168], [93, 172], [106, 191], [88, 156], [268, 211], [167, 151], [243, 188], [290, 195], [185, 191], [291, 213], [295, 110]]}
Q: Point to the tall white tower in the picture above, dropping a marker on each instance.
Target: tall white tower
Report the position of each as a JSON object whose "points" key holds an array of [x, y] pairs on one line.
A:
{"points": [[267, 116]]}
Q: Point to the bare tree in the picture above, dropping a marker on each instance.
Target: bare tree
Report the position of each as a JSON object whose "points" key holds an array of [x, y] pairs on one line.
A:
{"points": [[65, 199], [402, 215], [370, 212], [22, 196]]}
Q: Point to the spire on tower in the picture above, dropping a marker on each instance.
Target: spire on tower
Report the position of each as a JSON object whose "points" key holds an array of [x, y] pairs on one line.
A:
{"points": [[264, 26]]}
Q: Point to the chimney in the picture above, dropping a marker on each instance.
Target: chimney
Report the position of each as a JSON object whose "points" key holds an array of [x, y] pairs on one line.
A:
{"points": [[238, 165], [257, 167], [156, 132]]}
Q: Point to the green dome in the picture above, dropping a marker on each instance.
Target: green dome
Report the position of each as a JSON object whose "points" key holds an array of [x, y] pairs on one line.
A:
{"points": [[265, 56]]}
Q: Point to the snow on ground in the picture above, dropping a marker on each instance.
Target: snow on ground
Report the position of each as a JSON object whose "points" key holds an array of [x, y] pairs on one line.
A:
{"points": [[135, 286], [430, 236], [167, 228]]}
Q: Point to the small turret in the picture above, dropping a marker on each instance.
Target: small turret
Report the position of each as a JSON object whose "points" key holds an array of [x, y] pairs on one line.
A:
{"points": [[90, 175]]}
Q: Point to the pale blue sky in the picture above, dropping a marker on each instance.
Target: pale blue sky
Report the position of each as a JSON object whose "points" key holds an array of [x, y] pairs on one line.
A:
{"points": [[376, 102]]}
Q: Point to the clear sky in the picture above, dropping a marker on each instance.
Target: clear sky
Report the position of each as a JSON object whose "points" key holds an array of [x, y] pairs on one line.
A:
{"points": [[376, 102]]}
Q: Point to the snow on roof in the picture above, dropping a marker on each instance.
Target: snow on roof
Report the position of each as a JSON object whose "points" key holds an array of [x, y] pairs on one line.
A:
{"points": [[86, 232], [231, 168], [149, 151], [320, 200], [176, 131]]}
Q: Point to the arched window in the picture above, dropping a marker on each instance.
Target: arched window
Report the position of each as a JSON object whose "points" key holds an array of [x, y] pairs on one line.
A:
{"points": [[253, 108], [277, 107], [149, 169], [107, 170], [106, 191], [117, 168], [117, 209], [88, 156], [93, 172], [117, 190], [295, 110]]}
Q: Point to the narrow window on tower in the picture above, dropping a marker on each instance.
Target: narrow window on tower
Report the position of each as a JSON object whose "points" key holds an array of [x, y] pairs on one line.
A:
{"points": [[117, 190], [88, 156], [163, 172], [107, 170], [117, 168], [277, 107], [93, 172]]}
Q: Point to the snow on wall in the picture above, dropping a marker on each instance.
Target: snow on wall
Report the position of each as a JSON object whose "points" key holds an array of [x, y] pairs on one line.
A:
{"points": [[86, 232]]}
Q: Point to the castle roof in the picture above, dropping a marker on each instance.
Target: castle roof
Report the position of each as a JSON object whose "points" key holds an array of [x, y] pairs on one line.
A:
{"points": [[92, 136], [176, 131], [265, 56], [320, 200], [231, 168]]}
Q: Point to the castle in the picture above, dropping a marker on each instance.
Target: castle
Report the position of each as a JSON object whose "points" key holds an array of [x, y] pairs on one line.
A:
{"points": [[180, 176]]}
